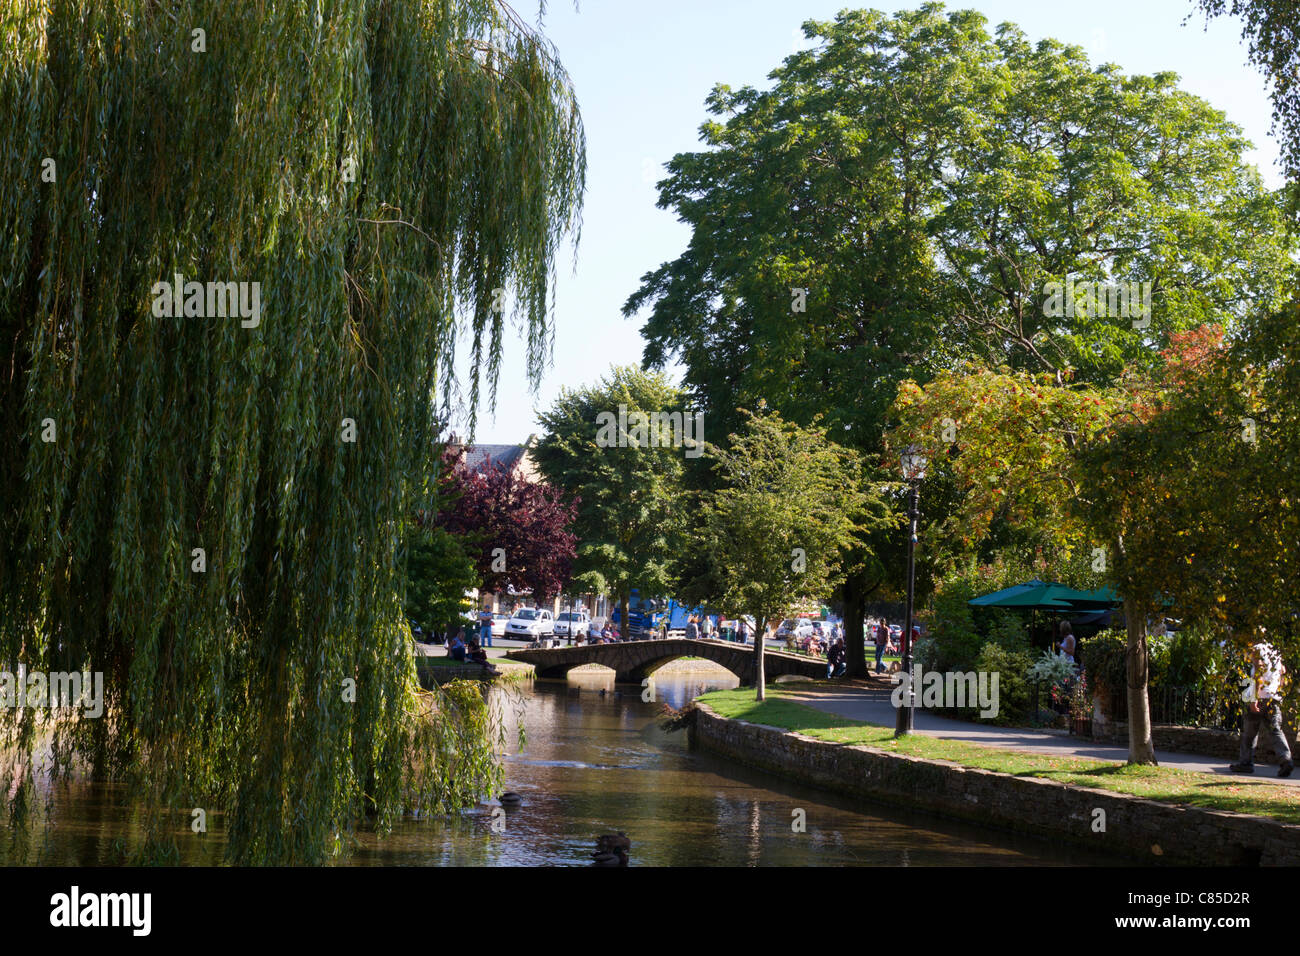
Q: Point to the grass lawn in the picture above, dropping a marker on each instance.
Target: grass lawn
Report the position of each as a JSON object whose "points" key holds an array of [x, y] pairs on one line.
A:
{"points": [[1209, 791]]}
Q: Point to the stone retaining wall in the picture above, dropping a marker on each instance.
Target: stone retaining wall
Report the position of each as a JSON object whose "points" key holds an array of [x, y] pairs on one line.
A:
{"points": [[1207, 741], [430, 674], [1141, 829], [1195, 740]]}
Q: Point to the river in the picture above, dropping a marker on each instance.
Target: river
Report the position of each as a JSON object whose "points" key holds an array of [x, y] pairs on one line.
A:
{"points": [[599, 763]]}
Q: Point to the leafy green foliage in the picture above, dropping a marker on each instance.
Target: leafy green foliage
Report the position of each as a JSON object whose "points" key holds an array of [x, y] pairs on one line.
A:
{"points": [[1272, 28], [628, 490], [1015, 688], [224, 688], [958, 632], [778, 526], [924, 181], [1104, 661], [438, 573]]}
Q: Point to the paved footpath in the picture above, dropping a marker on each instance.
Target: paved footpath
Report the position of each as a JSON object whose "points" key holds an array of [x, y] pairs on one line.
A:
{"points": [[874, 707]]}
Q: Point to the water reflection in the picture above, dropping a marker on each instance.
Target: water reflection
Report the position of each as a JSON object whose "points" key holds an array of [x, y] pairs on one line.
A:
{"points": [[597, 762]]}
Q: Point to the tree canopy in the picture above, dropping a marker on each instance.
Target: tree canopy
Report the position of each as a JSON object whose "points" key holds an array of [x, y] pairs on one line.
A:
{"points": [[614, 446], [211, 510], [515, 529], [904, 194], [781, 522]]}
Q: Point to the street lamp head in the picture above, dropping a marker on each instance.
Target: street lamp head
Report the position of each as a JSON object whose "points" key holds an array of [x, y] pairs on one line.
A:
{"points": [[914, 463]]}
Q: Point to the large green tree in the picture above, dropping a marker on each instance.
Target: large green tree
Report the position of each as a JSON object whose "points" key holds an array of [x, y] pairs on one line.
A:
{"points": [[626, 473], [902, 198], [210, 510]]}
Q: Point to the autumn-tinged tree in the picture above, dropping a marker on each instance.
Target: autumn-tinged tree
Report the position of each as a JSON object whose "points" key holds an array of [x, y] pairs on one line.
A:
{"points": [[1011, 441], [1201, 484], [208, 503]]}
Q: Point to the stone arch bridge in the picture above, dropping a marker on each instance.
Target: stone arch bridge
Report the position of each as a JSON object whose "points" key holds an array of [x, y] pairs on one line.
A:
{"points": [[633, 661]]}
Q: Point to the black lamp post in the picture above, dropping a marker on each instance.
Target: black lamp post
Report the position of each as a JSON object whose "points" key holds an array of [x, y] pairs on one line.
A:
{"points": [[913, 471]]}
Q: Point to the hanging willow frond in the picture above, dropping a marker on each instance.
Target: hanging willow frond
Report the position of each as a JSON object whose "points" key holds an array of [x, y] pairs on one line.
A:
{"points": [[224, 687]]}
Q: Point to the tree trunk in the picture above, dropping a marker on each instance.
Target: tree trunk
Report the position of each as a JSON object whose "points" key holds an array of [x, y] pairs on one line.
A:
{"points": [[624, 625], [760, 680], [1140, 748], [855, 602]]}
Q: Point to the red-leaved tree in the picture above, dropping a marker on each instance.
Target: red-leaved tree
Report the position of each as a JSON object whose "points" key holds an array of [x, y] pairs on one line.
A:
{"points": [[516, 530]]}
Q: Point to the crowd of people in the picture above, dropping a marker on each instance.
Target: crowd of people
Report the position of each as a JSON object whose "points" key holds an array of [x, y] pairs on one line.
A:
{"points": [[608, 634]]}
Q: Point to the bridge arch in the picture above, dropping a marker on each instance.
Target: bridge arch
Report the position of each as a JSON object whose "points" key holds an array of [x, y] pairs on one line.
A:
{"points": [[634, 661]]}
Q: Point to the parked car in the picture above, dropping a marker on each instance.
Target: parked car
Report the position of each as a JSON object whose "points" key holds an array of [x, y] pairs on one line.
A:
{"points": [[499, 622], [798, 626], [572, 624], [823, 631], [530, 623]]}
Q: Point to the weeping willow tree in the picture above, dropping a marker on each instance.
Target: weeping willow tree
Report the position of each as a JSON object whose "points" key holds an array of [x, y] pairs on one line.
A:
{"points": [[207, 505]]}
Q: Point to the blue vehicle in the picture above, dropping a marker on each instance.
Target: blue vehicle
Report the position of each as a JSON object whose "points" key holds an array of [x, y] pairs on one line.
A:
{"points": [[646, 617]]}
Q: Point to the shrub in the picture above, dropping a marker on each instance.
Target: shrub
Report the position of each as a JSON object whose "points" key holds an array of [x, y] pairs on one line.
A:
{"points": [[959, 632], [1195, 660], [1015, 692], [1104, 658]]}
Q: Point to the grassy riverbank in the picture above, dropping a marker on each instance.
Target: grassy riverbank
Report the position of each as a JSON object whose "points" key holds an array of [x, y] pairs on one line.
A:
{"points": [[1208, 791]]}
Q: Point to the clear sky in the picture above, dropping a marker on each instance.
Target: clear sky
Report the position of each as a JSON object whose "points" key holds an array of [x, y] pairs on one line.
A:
{"points": [[642, 69]]}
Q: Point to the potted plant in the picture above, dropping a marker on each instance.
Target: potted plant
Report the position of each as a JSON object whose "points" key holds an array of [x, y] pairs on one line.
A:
{"points": [[1055, 671]]}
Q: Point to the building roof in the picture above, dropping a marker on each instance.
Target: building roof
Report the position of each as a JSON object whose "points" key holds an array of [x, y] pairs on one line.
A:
{"points": [[501, 457], [476, 458]]}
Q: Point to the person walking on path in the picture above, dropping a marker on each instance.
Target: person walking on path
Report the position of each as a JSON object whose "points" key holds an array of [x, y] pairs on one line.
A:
{"points": [[1263, 697], [882, 638]]}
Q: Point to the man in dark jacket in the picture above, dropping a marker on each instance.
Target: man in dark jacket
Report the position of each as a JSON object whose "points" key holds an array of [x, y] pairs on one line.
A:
{"points": [[837, 660]]}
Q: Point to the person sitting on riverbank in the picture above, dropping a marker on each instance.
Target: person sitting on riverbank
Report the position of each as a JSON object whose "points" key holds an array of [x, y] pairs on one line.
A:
{"points": [[456, 647]]}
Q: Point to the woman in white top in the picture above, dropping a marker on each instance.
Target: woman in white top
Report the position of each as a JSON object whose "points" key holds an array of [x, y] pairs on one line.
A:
{"points": [[1067, 642]]}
